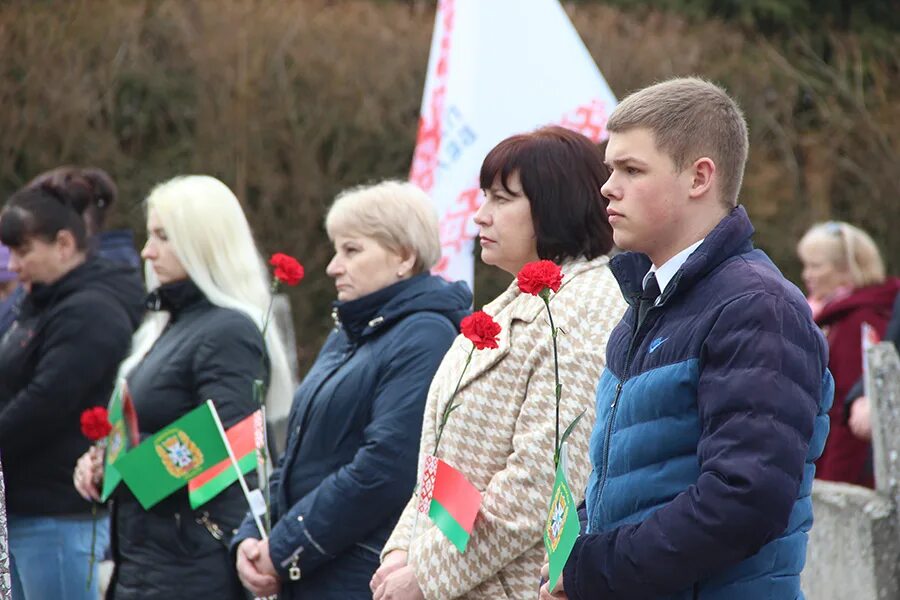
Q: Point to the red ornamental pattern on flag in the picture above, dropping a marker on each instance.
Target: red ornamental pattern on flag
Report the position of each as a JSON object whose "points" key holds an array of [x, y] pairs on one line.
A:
{"points": [[429, 473], [557, 82], [456, 224], [428, 138]]}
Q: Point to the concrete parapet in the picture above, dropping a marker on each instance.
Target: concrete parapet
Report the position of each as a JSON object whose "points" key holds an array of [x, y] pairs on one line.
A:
{"points": [[854, 545]]}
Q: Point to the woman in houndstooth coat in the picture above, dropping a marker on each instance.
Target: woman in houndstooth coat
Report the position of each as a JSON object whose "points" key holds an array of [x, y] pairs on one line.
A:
{"points": [[542, 201]]}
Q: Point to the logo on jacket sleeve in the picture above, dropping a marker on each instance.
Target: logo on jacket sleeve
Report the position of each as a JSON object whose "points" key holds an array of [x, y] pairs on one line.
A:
{"points": [[179, 454], [656, 344]]}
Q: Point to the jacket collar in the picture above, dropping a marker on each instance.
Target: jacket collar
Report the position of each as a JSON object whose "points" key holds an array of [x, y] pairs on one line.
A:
{"points": [[43, 295], [879, 297], [176, 297], [361, 316], [731, 237]]}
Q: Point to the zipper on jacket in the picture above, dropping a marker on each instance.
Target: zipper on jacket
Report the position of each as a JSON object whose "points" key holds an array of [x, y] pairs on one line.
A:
{"points": [[615, 403], [291, 563]]}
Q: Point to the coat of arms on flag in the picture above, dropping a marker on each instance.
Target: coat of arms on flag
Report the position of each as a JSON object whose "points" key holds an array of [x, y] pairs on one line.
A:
{"points": [[562, 527], [123, 436], [179, 453], [556, 520], [116, 441]]}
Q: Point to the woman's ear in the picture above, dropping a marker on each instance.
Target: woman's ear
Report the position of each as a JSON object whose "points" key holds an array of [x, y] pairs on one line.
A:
{"points": [[408, 259], [66, 242]]}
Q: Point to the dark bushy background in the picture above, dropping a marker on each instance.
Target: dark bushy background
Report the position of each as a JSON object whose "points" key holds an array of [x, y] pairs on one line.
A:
{"points": [[290, 102]]}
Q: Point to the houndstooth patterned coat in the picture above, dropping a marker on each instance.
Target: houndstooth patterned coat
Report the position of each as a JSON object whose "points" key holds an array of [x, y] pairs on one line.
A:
{"points": [[502, 435]]}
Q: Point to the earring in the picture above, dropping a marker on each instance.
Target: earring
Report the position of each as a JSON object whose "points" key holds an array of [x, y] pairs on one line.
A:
{"points": [[400, 274]]}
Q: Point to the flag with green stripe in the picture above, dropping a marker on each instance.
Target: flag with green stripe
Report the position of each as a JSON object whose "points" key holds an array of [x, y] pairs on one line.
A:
{"points": [[243, 440], [168, 460], [449, 500]]}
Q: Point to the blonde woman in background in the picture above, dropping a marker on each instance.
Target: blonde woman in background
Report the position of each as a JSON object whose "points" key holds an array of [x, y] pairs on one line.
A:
{"points": [[843, 269], [202, 340]]}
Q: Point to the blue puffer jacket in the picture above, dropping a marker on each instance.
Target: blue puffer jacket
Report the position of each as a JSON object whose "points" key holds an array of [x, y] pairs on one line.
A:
{"points": [[353, 436], [709, 418]]}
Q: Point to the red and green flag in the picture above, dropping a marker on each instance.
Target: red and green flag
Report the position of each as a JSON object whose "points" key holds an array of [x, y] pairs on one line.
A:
{"points": [[168, 460], [242, 438], [449, 500], [123, 436], [562, 527]]}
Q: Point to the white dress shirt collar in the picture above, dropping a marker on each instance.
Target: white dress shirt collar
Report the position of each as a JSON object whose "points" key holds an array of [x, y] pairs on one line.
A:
{"points": [[667, 270]]}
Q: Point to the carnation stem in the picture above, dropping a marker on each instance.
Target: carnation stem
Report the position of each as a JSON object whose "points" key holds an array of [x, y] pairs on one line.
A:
{"points": [[450, 407], [558, 388], [259, 391], [92, 558]]}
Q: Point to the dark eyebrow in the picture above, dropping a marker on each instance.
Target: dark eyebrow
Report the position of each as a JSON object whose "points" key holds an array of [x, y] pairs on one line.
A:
{"points": [[619, 162], [499, 189]]}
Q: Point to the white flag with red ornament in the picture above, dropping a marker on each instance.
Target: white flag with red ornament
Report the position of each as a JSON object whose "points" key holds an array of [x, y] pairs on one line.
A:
{"points": [[497, 68]]}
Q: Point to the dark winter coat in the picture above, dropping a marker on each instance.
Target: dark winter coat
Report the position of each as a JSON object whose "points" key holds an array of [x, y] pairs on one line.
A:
{"points": [[710, 414], [59, 358], [846, 457], [350, 462], [206, 352]]}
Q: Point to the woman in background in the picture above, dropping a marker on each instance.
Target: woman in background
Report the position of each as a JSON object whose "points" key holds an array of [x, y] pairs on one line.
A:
{"points": [[59, 358], [843, 268]]}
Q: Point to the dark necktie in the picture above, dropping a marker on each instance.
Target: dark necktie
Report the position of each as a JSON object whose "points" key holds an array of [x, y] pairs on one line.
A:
{"points": [[648, 297]]}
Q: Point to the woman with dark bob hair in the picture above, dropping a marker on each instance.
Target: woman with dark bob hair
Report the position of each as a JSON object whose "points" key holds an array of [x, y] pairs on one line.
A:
{"points": [[542, 201], [59, 358]]}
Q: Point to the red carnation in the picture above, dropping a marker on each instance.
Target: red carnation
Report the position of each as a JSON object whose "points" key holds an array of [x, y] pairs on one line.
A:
{"points": [[481, 329], [539, 275], [288, 269], [95, 423]]}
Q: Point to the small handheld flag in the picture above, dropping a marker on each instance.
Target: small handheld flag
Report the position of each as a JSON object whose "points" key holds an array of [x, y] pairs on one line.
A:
{"points": [[211, 482], [450, 501], [562, 527], [124, 436], [165, 462]]}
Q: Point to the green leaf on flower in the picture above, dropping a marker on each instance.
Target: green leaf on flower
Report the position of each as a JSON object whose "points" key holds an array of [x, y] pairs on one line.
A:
{"points": [[570, 428]]}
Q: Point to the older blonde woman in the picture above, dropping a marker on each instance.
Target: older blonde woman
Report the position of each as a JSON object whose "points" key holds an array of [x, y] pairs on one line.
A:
{"points": [[350, 459], [542, 200], [844, 271]]}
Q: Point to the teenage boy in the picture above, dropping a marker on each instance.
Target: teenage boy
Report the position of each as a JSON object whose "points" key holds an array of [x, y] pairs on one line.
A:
{"points": [[714, 401]]}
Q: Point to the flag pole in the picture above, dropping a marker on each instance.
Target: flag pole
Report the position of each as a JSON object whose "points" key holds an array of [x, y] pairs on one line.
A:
{"points": [[237, 469]]}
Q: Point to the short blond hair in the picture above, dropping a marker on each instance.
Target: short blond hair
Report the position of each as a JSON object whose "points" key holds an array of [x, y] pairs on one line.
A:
{"points": [[397, 214], [847, 248], [691, 118]]}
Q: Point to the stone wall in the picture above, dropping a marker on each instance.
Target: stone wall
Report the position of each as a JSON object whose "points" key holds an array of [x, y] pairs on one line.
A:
{"points": [[854, 546]]}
